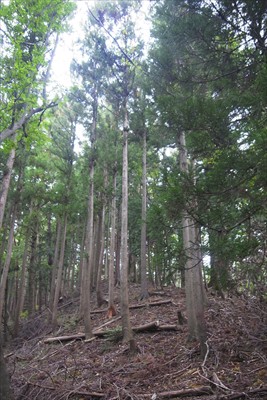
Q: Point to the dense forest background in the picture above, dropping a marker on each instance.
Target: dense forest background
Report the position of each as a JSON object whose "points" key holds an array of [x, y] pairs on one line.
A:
{"points": [[150, 169]]}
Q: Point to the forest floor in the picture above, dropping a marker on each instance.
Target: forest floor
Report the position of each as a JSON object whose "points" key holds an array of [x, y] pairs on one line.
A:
{"points": [[166, 365]]}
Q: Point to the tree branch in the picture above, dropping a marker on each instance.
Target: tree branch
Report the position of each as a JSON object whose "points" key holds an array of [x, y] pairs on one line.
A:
{"points": [[9, 132], [112, 37]]}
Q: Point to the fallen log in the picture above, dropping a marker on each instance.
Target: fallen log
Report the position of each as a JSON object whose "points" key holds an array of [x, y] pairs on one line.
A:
{"points": [[152, 304], [77, 336], [149, 327], [169, 327], [133, 306]]}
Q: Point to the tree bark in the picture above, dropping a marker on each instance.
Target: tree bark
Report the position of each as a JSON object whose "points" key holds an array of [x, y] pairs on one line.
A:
{"points": [[6, 184], [22, 285], [126, 326], [144, 290], [32, 268], [59, 273], [99, 292], [5, 271], [193, 274], [89, 242], [54, 271], [111, 283]]}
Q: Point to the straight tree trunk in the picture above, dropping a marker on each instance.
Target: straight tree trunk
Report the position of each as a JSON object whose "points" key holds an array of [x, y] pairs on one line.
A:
{"points": [[32, 269], [54, 271], [6, 184], [193, 274], [6, 267], [143, 266], [96, 250], [81, 271], [87, 265], [99, 292], [126, 325], [89, 242], [111, 305], [118, 251], [59, 273], [22, 284]]}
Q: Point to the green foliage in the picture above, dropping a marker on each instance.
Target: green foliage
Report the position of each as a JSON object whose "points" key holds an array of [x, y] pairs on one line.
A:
{"points": [[28, 29]]}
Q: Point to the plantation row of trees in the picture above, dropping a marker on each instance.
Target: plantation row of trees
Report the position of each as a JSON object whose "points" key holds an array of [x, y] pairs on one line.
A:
{"points": [[168, 185]]}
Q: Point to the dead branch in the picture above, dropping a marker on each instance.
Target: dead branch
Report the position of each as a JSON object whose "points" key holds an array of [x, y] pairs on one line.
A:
{"points": [[107, 323], [133, 306], [77, 336], [205, 390], [99, 311], [149, 327], [70, 392], [261, 392], [152, 304]]}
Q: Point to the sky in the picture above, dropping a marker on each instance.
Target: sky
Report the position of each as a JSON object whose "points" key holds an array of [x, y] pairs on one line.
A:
{"points": [[67, 49]]}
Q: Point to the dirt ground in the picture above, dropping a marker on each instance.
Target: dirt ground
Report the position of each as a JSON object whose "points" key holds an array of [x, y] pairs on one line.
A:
{"points": [[166, 365]]}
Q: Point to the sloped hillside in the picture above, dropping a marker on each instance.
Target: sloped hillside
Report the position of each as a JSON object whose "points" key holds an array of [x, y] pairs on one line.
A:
{"points": [[165, 365]]}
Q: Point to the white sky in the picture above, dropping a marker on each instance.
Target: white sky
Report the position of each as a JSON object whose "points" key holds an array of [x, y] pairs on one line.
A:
{"points": [[66, 50]]}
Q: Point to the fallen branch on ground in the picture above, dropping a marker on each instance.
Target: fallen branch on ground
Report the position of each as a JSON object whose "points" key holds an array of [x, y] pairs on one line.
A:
{"points": [[206, 390], [133, 306], [70, 392], [149, 327], [261, 392], [152, 304]]}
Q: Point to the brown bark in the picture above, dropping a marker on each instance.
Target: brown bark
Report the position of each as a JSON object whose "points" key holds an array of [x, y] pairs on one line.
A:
{"points": [[54, 270], [126, 325], [59, 274], [193, 274], [112, 247], [89, 241], [99, 292], [22, 285], [5, 184], [5, 270], [144, 291]]}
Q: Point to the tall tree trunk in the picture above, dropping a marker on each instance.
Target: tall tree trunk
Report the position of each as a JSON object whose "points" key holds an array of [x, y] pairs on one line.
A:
{"points": [[118, 249], [32, 269], [89, 242], [96, 251], [111, 305], [54, 271], [99, 292], [5, 184], [193, 280], [22, 284], [81, 271], [59, 273], [6, 267], [87, 265], [143, 266], [126, 325]]}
